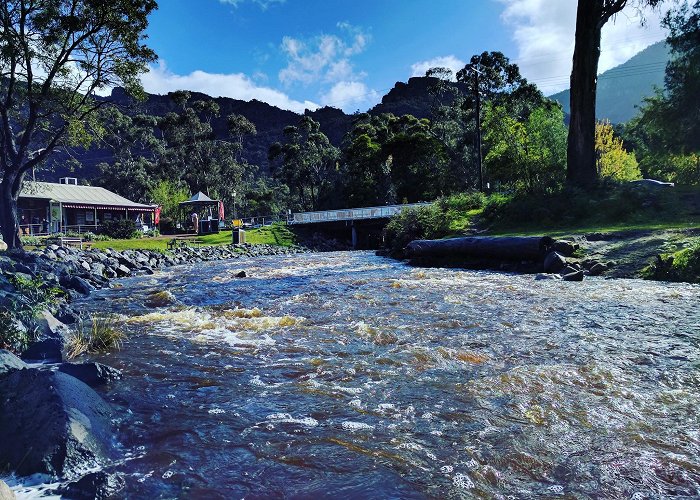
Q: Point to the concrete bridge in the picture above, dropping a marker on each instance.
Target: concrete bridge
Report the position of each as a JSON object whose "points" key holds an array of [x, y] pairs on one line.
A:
{"points": [[365, 223]]}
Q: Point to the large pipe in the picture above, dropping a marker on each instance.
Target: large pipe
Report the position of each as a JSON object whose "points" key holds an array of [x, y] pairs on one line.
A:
{"points": [[516, 248]]}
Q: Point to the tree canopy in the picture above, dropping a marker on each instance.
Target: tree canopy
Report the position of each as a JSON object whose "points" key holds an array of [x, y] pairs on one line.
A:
{"points": [[54, 55]]}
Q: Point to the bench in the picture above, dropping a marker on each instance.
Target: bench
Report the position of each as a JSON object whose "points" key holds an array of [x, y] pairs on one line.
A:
{"points": [[65, 241], [184, 242]]}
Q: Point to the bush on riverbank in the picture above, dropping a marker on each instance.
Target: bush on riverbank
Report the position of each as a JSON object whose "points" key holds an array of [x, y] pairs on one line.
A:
{"points": [[29, 296], [427, 222], [683, 265]]}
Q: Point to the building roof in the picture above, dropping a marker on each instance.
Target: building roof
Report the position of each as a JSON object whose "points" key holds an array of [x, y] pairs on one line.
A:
{"points": [[78, 195], [200, 198]]}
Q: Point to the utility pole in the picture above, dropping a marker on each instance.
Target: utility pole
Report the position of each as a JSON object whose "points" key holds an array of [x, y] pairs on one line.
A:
{"points": [[478, 127]]}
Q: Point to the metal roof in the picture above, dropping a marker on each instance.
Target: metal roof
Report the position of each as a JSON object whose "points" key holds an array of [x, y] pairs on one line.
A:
{"points": [[200, 198], [84, 195]]}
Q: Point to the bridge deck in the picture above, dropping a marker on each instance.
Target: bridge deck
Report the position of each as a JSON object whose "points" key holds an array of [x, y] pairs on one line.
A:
{"points": [[350, 214]]}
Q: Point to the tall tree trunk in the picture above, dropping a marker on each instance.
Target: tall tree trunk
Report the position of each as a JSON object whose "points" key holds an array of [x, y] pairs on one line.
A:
{"points": [[8, 212], [581, 168]]}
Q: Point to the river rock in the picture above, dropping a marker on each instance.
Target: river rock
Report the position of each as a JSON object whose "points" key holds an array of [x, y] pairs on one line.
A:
{"points": [[94, 485], [240, 274], [52, 423], [575, 276], [554, 262], [3, 246], [93, 374], [78, 284], [542, 276], [5, 492], [122, 271], [9, 362], [597, 269], [160, 299], [50, 342], [564, 247], [569, 268]]}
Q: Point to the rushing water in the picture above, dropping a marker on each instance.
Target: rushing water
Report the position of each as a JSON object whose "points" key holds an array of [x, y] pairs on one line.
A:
{"points": [[346, 375]]}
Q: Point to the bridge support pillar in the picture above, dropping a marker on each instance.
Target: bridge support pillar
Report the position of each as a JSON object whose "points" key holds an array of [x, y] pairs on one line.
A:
{"points": [[354, 236]]}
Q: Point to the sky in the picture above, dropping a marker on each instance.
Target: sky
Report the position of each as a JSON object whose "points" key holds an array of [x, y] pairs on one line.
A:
{"points": [[304, 54]]}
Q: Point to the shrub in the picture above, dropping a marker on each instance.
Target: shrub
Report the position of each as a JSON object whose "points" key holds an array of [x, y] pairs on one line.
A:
{"points": [[33, 241], [90, 236], [683, 265], [463, 202], [428, 222], [18, 326], [121, 229], [94, 335]]}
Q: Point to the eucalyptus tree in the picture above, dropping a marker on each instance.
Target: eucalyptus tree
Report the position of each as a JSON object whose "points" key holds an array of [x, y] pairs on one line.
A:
{"points": [[591, 16], [306, 161], [54, 56]]}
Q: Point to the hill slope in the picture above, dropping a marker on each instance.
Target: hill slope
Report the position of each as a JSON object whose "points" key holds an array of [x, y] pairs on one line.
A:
{"points": [[622, 89]]}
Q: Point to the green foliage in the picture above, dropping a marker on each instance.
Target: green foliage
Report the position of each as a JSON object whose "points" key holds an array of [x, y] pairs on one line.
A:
{"points": [[18, 326], [168, 195], [33, 241], [525, 155], [90, 236], [306, 162], [609, 203], [97, 334], [683, 265], [121, 229], [666, 132], [427, 222], [462, 202], [55, 55], [612, 160], [684, 169], [388, 158]]}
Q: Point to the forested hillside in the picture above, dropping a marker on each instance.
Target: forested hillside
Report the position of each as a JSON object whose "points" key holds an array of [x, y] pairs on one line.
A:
{"points": [[622, 89]]}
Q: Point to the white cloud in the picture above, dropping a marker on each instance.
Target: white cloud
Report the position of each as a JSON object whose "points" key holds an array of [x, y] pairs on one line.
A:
{"points": [[325, 57], [450, 62], [544, 34], [348, 95], [264, 4], [160, 80]]}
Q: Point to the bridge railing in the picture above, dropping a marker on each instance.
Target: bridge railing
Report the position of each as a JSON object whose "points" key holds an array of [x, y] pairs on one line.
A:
{"points": [[348, 214]]}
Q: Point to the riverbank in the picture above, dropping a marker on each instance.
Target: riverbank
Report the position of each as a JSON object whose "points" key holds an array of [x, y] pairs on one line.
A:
{"points": [[47, 404]]}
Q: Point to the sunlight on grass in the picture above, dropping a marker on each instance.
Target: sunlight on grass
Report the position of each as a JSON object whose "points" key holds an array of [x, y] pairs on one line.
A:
{"points": [[276, 234]]}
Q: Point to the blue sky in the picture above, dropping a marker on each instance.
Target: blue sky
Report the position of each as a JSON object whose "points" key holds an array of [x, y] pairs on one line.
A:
{"points": [[299, 54]]}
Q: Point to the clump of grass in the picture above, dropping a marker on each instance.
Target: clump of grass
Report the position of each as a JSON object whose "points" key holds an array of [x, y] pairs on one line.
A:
{"points": [[96, 334]]}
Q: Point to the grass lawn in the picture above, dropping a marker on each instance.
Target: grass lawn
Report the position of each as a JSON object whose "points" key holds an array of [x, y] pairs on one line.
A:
{"points": [[673, 209], [276, 234]]}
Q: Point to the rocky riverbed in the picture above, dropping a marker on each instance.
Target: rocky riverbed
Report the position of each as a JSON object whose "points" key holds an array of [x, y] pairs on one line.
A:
{"points": [[51, 420]]}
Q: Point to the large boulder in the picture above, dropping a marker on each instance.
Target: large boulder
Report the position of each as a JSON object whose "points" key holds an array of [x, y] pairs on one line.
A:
{"points": [[9, 362], [50, 345], [3, 246], [52, 423], [93, 374], [554, 262], [5, 492], [94, 485]]}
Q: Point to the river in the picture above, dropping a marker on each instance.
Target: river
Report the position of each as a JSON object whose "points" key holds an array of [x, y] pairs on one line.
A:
{"points": [[346, 375]]}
